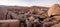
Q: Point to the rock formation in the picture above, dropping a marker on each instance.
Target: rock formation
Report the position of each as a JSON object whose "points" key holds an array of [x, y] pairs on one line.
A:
{"points": [[3, 13], [54, 10], [54, 14]]}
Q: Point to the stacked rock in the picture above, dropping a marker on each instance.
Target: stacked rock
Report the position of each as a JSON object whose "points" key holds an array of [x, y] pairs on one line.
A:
{"points": [[54, 16]]}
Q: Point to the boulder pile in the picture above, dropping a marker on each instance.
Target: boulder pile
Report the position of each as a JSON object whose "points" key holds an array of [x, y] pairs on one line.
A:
{"points": [[30, 17]]}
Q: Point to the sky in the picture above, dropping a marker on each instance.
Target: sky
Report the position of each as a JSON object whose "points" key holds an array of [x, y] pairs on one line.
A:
{"points": [[46, 3]]}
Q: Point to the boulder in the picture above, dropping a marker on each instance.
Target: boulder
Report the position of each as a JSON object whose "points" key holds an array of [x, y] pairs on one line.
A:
{"points": [[32, 20], [12, 15], [3, 13], [56, 25], [54, 10], [48, 22], [9, 23]]}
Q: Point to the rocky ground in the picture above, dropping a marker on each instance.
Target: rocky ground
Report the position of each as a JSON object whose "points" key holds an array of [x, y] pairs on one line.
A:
{"points": [[34, 16]]}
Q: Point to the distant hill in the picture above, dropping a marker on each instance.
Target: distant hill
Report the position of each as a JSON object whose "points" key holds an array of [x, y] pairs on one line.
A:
{"points": [[20, 8]]}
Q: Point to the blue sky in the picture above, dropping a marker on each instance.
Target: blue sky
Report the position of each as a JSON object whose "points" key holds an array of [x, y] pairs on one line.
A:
{"points": [[29, 2]]}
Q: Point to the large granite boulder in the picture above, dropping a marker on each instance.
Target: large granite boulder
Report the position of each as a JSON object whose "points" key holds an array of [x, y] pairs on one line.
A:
{"points": [[12, 15], [3, 13], [54, 14], [54, 10], [9, 23]]}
